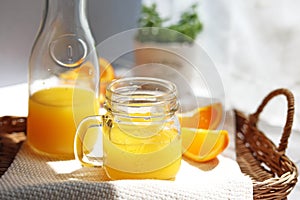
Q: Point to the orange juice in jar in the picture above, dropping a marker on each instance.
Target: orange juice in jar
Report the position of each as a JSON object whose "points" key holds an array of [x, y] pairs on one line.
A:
{"points": [[140, 131], [152, 150], [52, 118]]}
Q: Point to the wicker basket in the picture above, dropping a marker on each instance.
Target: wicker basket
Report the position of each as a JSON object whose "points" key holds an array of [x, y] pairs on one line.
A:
{"points": [[274, 175], [12, 134]]}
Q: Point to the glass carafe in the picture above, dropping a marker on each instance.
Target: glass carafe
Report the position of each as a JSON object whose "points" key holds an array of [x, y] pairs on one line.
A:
{"points": [[63, 77]]}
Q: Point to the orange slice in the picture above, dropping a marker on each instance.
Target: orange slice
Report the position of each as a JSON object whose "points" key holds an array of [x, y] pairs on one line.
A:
{"points": [[107, 74], [208, 117], [202, 145], [85, 71]]}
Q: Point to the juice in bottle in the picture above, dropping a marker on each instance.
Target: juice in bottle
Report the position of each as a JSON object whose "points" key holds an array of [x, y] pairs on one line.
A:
{"points": [[53, 114]]}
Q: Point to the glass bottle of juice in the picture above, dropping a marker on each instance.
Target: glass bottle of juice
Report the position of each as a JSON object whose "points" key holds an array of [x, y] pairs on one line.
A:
{"points": [[63, 77]]}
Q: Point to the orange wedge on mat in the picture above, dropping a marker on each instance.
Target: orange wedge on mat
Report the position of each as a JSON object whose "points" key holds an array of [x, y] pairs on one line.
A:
{"points": [[208, 117], [202, 145]]}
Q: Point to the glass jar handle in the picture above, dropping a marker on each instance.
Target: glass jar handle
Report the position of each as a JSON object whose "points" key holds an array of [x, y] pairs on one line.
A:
{"points": [[83, 127]]}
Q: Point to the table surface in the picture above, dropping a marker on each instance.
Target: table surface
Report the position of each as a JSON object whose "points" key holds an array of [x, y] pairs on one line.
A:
{"points": [[14, 102]]}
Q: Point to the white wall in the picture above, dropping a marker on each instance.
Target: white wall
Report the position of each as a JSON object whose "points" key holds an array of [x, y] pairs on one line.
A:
{"points": [[20, 20]]}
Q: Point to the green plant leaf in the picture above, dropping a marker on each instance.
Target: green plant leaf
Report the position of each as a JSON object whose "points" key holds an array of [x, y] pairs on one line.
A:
{"points": [[189, 25]]}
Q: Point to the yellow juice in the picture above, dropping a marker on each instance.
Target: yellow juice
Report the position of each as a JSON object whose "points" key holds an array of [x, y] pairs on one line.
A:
{"points": [[139, 151], [53, 116]]}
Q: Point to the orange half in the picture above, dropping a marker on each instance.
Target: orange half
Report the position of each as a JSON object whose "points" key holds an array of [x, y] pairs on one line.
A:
{"points": [[202, 145], [208, 117]]}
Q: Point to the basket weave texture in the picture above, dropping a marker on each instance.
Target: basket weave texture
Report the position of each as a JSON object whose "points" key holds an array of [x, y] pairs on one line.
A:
{"points": [[274, 175], [12, 134]]}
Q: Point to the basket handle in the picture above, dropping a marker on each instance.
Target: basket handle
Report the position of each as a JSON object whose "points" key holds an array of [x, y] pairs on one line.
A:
{"points": [[253, 118]]}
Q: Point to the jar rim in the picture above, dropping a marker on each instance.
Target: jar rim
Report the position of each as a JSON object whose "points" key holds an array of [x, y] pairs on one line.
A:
{"points": [[129, 93], [137, 82]]}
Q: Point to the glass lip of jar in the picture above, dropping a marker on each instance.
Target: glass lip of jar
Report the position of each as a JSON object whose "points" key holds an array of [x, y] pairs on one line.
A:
{"points": [[171, 94], [166, 98]]}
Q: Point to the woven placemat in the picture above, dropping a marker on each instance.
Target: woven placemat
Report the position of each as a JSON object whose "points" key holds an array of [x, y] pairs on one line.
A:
{"points": [[34, 176]]}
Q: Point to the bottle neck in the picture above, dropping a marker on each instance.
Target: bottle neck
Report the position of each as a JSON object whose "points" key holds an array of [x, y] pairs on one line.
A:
{"points": [[64, 42], [68, 15]]}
